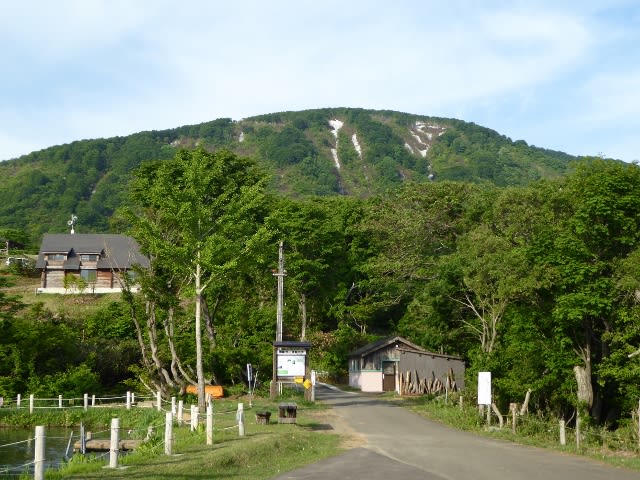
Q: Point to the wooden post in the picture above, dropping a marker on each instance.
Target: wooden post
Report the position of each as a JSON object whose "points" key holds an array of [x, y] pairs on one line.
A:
{"points": [[210, 423], [513, 407], [240, 419], [578, 428], [18, 398], [563, 434], [115, 440], [159, 400], [38, 473], [173, 406], [180, 408], [488, 415], [93, 400], [128, 400], [59, 401], [133, 398], [83, 440], [461, 402], [86, 402], [638, 424], [168, 434], [31, 400]]}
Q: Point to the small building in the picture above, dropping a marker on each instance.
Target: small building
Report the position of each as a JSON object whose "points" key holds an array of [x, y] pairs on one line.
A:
{"points": [[91, 263], [394, 364]]}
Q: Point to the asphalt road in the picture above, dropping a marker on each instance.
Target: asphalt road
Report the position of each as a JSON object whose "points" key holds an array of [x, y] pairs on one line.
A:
{"points": [[401, 445]]}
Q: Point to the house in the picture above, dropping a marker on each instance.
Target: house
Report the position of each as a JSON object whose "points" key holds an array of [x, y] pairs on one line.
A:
{"points": [[96, 263], [394, 364]]}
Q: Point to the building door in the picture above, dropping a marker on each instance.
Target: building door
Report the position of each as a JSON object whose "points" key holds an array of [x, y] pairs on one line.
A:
{"points": [[388, 376]]}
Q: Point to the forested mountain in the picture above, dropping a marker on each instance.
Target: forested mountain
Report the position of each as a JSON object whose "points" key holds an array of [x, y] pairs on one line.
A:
{"points": [[325, 152], [529, 270]]}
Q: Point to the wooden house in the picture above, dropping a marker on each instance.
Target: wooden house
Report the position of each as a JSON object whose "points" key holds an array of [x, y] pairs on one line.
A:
{"points": [[394, 364], [90, 263]]}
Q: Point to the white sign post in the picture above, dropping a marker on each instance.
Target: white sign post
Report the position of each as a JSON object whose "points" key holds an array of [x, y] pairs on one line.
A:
{"points": [[484, 392], [484, 388]]}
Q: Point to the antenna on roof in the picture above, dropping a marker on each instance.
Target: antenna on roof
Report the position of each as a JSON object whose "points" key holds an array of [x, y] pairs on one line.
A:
{"points": [[72, 223]]}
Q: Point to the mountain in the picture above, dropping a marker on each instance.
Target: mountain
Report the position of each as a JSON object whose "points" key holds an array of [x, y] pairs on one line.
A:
{"points": [[332, 151]]}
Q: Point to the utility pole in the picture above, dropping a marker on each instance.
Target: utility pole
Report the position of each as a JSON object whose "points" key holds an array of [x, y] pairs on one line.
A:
{"points": [[281, 274]]}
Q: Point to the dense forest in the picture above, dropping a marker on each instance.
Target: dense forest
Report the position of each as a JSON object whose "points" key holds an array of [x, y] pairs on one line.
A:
{"points": [[532, 274], [325, 152]]}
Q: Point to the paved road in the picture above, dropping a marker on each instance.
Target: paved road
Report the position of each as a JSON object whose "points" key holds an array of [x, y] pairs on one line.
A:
{"points": [[401, 445]]}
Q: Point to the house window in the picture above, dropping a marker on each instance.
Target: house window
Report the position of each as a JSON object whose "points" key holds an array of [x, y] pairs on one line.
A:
{"points": [[56, 256], [85, 257], [89, 276]]}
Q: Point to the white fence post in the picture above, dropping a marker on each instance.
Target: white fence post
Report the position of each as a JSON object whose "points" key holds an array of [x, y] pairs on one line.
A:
{"points": [[115, 440], [159, 400], [38, 472], [209, 423], [563, 436], [240, 419], [59, 401], [180, 411], [18, 398], [173, 406], [86, 402], [31, 403], [168, 434], [194, 417], [128, 400], [93, 400]]}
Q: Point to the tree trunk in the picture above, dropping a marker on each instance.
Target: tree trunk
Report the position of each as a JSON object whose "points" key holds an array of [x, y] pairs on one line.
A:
{"points": [[303, 313], [585, 389], [208, 321], [199, 368]]}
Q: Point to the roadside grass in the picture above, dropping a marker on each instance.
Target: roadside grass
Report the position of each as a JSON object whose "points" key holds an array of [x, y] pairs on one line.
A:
{"points": [[264, 451], [615, 447]]}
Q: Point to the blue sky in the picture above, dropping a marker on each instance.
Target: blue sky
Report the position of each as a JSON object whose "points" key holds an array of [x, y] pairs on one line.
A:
{"points": [[563, 75]]}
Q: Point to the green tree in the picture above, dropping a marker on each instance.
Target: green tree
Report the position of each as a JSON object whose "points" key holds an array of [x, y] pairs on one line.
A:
{"points": [[198, 217]]}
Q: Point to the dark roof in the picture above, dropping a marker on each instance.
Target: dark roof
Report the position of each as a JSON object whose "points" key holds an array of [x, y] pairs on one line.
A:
{"points": [[119, 251], [401, 344], [385, 342]]}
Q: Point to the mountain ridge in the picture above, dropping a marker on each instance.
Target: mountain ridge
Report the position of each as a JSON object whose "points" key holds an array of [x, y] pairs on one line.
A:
{"points": [[328, 151]]}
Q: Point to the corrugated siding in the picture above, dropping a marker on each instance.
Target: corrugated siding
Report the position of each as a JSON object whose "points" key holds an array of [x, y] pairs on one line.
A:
{"points": [[430, 365]]}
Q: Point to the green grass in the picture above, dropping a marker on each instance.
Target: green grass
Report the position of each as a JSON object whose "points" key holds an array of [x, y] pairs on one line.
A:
{"points": [[264, 451]]}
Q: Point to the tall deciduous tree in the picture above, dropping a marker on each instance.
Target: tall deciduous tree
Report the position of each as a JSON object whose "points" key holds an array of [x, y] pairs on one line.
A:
{"points": [[198, 217]]}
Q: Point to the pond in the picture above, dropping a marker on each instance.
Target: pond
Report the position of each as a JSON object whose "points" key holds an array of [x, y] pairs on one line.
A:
{"points": [[13, 458]]}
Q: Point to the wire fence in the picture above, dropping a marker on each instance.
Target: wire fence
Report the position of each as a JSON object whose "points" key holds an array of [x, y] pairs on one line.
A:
{"points": [[118, 440]]}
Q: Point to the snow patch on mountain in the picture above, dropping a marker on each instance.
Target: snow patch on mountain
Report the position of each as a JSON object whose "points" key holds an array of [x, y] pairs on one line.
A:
{"points": [[423, 134], [356, 145], [336, 125]]}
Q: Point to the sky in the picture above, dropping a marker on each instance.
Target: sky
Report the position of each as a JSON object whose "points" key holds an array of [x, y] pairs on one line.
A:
{"points": [[561, 75]]}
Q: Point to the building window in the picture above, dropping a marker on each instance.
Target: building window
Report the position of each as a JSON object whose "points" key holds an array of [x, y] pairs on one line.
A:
{"points": [[89, 276], [85, 257], [56, 256]]}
